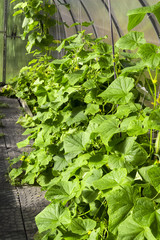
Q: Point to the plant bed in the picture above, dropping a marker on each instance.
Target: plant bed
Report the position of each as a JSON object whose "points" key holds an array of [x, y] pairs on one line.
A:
{"points": [[96, 141]]}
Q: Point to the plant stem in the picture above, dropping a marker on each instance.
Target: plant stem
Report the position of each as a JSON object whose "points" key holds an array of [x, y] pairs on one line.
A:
{"points": [[154, 81], [151, 132]]}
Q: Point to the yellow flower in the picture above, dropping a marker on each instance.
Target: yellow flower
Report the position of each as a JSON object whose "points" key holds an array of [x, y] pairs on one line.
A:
{"points": [[22, 158], [154, 81], [76, 68], [89, 232]]}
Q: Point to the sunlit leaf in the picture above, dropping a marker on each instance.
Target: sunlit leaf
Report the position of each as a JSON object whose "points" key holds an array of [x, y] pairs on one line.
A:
{"points": [[119, 91], [112, 179], [52, 216], [144, 212], [131, 40], [82, 226]]}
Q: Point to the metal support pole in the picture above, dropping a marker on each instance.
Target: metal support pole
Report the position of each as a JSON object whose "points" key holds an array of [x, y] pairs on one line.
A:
{"points": [[111, 27], [5, 40]]}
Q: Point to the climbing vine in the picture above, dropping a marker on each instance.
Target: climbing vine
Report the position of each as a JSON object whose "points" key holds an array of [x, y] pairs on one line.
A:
{"points": [[95, 139]]}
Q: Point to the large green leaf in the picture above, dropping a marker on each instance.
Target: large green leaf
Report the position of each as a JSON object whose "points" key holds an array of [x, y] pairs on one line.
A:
{"points": [[137, 15], [73, 143], [131, 40], [153, 122], [90, 195], [144, 172], [154, 176], [132, 151], [137, 127], [90, 177], [118, 91], [156, 224], [92, 109], [144, 212], [112, 179], [82, 226], [43, 158], [134, 69], [60, 163], [134, 20], [52, 216], [62, 191], [75, 77], [150, 55], [98, 160], [107, 129], [129, 229], [77, 116], [118, 161], [125, 110], [120, 202], [73, 167]]}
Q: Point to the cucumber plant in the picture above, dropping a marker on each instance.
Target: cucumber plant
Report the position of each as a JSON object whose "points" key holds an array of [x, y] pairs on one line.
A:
{"points": [[96, 141]]}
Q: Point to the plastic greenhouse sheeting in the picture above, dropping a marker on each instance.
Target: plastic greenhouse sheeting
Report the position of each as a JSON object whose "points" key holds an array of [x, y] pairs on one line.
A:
{"points": [[15, 53], [97, 11]]}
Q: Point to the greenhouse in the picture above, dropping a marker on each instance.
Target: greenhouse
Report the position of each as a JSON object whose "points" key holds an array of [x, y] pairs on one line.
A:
{"points": [[80, 119]]}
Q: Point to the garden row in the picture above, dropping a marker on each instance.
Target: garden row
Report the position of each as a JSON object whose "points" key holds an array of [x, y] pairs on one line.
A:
{"points": [[95, 138]]}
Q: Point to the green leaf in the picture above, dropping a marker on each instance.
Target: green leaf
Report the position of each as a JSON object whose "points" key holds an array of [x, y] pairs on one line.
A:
{"points": [[118, 91], [144, 173], [136, 127], [90, 195], [18, 12], [98, 160], [125, 110], [154, 117], [60, 163], [14, 173], [43, 158], [62, 191], [137, 15], [156, 224], [73, 167], [75, 77], [52, 216], [89, 84], [134, 20], [143, 212], [131, 40], [23, 143], [107, 129], [150, 55], [82, 226], [129, 229], [29, 178], [132, 151], [60, 61], [134, 69], [117, 161], [112, 179], [92, 109], [73, 143], [120, 202], [87, 24], [154, 176], [76, 116], [90, 177]]}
